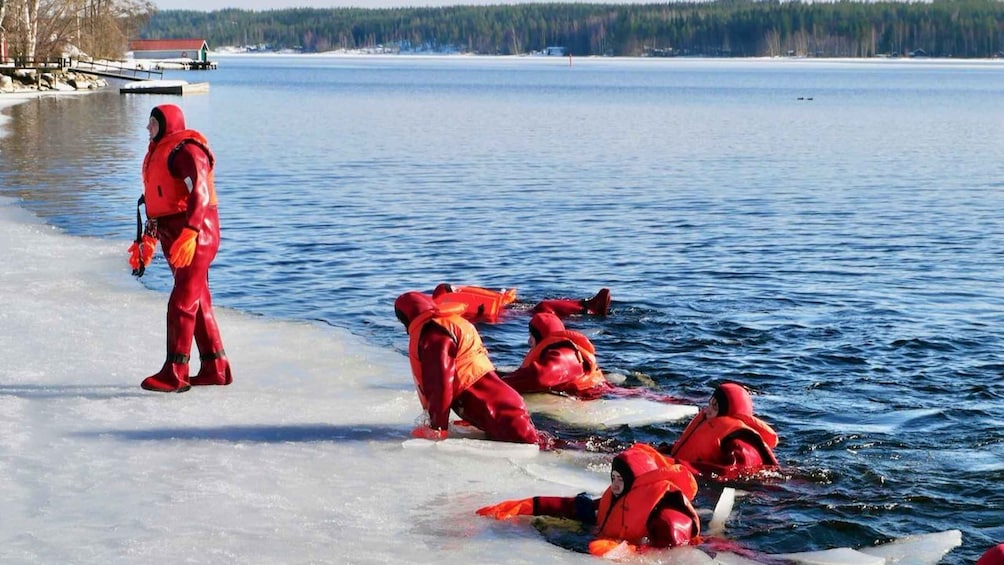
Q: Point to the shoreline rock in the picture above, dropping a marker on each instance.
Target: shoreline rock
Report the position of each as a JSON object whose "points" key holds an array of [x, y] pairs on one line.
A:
{"points": [[22, 81]]}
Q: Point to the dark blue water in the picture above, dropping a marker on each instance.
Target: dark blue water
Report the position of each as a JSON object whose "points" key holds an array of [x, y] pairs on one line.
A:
{"points": [[829, 234]]}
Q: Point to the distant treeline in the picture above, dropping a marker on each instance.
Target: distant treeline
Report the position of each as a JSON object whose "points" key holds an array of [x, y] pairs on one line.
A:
{"points": [[725, 28]]}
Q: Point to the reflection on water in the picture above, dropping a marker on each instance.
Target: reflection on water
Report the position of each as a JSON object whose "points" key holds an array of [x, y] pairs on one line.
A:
{"points": [[81, 150]]}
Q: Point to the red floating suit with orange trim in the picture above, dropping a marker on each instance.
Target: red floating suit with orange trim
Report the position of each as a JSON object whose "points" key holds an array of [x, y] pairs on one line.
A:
{"points": [[650, 508], [730, 443], [486, 305], [480, 304], [560, 361]]}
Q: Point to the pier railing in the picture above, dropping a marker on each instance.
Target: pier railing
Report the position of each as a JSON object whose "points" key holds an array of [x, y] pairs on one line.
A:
{"points": [[115, 69]]}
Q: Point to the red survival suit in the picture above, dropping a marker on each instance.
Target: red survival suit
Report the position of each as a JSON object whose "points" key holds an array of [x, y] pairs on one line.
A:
{"points": [[486, 305], [560, 361], [732, 443], [179, 196], [480, 304], [992, 556], [452, 371], [654, 509]]}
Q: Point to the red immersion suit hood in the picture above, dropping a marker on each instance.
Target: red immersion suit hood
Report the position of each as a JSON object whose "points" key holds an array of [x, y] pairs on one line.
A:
{"points": [[733, 400], [544, 324], [410, 305], [170, 119]]}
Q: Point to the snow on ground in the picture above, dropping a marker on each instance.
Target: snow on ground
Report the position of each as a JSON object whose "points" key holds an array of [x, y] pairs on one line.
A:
{"points": [[299, 461]]}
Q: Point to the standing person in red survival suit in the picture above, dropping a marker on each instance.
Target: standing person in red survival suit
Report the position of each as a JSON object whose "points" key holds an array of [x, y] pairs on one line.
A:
{"points": [[648, 504], [181, 210], [725, 438], [452, 371], [559, 361]]}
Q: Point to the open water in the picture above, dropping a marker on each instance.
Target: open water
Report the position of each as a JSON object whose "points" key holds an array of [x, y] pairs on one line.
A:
{"points": [[831, 234]]}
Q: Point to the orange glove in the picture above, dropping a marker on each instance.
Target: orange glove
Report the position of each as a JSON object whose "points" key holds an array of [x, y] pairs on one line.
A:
{"points": [[508, 509], [184, 248], [425, 432], [611, 549], [142, 252]]}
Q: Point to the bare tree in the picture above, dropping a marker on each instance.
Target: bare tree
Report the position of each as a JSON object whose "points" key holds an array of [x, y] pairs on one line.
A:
{"points": [[3, 30], [20, 28], [23, 23], [105, 26], [55, 25], [43, 29], [772, 43]]}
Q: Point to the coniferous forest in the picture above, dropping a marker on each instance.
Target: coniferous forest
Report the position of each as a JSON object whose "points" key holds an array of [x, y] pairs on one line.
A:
{"points": [[723, 28]]}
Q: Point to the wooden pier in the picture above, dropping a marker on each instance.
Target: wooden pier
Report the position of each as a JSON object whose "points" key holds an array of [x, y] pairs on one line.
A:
{"points": [[147, 77], [142, 77], [115, 69]]}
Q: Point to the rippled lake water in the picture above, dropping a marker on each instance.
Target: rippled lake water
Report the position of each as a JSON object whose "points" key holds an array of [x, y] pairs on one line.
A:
{"points": [[828, 233]]}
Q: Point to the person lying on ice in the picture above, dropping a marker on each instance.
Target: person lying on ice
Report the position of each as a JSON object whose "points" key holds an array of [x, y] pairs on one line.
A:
{"points": [[725, 438], [647, 505], [486, 305], [452, 370]]}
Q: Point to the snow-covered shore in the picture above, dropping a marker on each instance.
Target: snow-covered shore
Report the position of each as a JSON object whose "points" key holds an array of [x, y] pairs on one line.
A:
{"points": [[299, 461]]}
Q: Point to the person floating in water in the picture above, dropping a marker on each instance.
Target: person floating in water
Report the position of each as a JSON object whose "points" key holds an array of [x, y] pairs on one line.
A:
{"points": [[647, 505], [486, 305], [563, 361], [725, 438], [452, 370], [559, 361]]}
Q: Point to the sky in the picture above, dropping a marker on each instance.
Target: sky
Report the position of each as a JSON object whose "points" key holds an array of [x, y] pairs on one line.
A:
{"points": [[305, 458]]}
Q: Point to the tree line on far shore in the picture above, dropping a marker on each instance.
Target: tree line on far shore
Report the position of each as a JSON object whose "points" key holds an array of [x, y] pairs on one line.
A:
{"points": [[43, 29], [720, 28]]}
